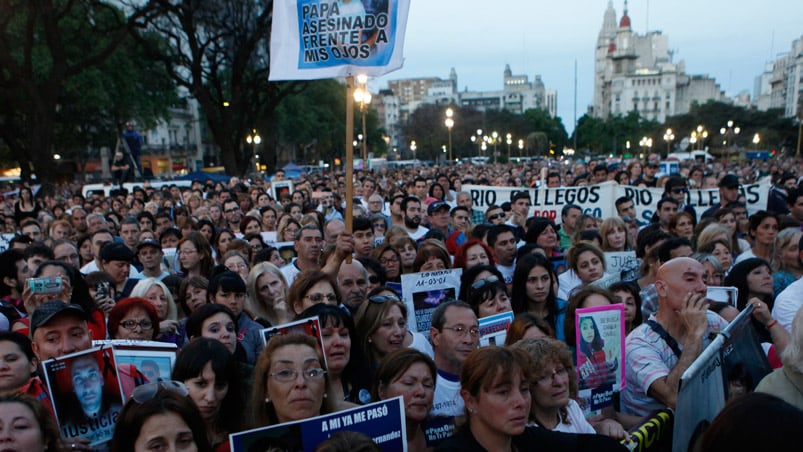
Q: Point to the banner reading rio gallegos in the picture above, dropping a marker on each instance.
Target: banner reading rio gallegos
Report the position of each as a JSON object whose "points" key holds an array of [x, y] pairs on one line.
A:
{"points": [[316, 39]]}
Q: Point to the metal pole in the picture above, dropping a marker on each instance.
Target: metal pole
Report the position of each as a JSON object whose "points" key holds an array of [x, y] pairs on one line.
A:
{"points": [[349, 163], [364, 107]]}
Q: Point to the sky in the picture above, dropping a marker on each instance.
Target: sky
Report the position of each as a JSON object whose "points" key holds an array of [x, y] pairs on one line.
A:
{"points": [[730, 40]]}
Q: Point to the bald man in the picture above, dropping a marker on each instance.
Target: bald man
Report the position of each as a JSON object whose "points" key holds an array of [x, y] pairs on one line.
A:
{"points": [[659, 351]]}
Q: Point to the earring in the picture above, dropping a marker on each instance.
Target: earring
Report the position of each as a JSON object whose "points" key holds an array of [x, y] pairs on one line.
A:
{"points": [[472, 410], [267, 400], [370, 340], [324, 395]]}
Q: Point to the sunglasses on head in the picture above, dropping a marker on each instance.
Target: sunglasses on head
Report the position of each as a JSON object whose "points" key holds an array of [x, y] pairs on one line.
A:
{"points": [[383, 298], [480, 283], [145, 392]]}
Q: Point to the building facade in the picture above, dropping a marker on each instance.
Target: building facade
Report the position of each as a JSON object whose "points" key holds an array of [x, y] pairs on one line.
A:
{"points": [[636, 73]]}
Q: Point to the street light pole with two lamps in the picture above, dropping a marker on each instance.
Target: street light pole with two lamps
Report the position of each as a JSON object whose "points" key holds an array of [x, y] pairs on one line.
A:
{"points": [[449, 123], [254, 139]]}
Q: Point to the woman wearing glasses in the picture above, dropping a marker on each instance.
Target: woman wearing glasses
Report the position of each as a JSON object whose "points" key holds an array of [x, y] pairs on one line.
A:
{"points": [[535, 291], [382, 327], [390, 259], [134, 319], [289, 381], [160, 297], [310, 288], [412, 375], [553, 386], [211, 375], [160, 416], [194, 256]]}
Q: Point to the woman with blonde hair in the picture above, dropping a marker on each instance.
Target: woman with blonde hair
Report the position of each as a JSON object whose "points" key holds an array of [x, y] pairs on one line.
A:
{"points": [[157, 293], [266, 295], [786, 261], [287, 230], [614, 235], [407, 249]]}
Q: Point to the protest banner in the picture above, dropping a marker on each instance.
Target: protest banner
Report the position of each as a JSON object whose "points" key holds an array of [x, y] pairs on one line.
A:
{"points": [[281, 187], [652, 435], [383, 422], [599, 200], [316, 39], [616, 261], [86, 394], [269, 237], [600, 338], [731, 365], [423, 292], [141, 362], [5, 239], [493, 329], [438, 429]]}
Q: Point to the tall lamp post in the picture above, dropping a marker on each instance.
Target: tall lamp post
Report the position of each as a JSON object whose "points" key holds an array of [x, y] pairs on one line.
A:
{"points": [[646, 144], [254, 139], [363, 97], [756, 140], [509, 141], [698, 137], [449, 123], [729, 134], [521, 147], [478, 140], [495, 141], [669, 136], [413, 147]]}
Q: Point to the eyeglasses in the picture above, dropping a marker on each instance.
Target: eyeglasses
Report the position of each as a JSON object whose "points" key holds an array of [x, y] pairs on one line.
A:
{"points": [[680, 190], [547, 379], [319, 297], [496, 216], [480, 283], [144, 325], [232, 209], [145, 392], [461, 330], [187, 251], [380, 224], [383, 298], [390, 260], [288, 375]]}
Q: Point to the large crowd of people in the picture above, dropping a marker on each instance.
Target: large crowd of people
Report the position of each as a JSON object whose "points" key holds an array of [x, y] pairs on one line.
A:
{"points": [[206, 267]]}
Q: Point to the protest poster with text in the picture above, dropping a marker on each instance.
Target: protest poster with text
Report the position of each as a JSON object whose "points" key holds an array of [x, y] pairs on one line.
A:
{"points": [[493, 328], [383, 422], [86, 394], [616, 261], [423, 292], [599, 200], [600, 338], [316, 39]]}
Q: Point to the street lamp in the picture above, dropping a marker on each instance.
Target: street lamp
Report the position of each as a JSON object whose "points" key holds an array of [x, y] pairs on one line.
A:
{"points": [[254, 139], [698, 136], [509, 141], [363, 97], [449, 123], [729, 134], [495, 141], [413, 147], [521, 147], [477, 139], [669, 136], [645, 143], [756, 140]]}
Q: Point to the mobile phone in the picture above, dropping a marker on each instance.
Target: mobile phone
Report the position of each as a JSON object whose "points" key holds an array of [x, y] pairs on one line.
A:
{"points": [[723, 294], [50, 285], [101, 290]]}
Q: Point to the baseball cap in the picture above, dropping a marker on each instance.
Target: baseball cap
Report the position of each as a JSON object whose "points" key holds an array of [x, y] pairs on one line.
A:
{"points": [[46, 311], [729, 181], [114, 251], [149, 242], [437, 205]]}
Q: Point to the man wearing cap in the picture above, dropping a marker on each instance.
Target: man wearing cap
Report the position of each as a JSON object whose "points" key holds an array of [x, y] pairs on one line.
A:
{"points": [[115, 259], [149, 253], [647, 178], [58, 329], [438, 214], [728, 192]]}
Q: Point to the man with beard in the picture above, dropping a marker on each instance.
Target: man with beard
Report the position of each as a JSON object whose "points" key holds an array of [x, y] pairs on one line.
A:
{"points": [[411, 213], [78, 219], [98, 408], [455, 333], [233, 214], [308, 244]]}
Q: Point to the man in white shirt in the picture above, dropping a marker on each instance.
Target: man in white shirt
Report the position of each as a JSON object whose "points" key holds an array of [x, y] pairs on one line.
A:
{"points": [[788, 302], [411, 213]]}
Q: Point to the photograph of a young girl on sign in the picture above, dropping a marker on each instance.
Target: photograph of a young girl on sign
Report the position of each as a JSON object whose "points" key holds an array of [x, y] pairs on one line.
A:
{"points": [[596, 366]]}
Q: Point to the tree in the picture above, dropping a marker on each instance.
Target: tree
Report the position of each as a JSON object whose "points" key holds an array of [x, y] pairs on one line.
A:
{"points": [[219, 51], [44, 46]]}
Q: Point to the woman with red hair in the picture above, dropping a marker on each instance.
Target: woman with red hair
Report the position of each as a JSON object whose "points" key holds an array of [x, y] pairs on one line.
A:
{"points": [[473, 252]]}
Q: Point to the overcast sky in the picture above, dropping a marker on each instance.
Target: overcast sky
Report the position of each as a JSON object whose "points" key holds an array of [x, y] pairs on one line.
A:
{"points": [[730, 40]]}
